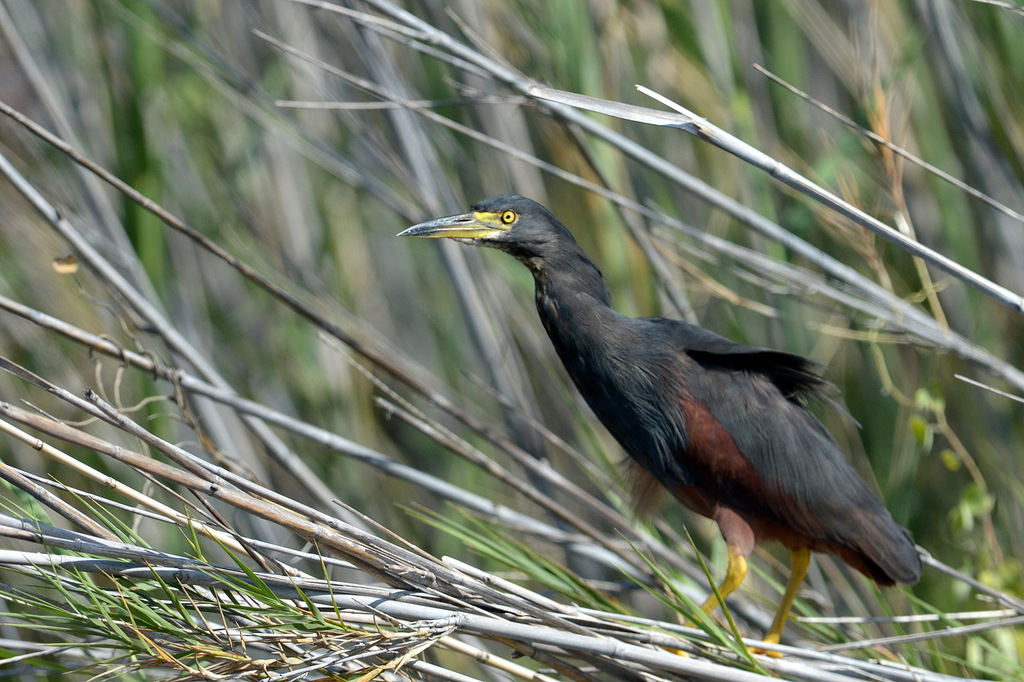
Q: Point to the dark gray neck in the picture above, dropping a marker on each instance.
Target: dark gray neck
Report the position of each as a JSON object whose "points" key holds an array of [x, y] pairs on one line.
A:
{"points": [[572, 300], [568, 273]]}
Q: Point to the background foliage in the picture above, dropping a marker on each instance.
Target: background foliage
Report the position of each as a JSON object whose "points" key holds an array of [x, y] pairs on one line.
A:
{"points": [[301, 138]]}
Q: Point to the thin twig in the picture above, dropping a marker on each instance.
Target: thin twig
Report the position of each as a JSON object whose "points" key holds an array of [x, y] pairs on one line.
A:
{"points": [[689, 122]]}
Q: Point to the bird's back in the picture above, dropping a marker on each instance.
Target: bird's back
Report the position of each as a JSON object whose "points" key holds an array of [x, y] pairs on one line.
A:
{"points": [[800, 489]]}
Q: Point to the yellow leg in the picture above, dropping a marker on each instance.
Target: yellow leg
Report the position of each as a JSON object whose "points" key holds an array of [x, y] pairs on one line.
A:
{"points": [[799, 559], [733, 578]]}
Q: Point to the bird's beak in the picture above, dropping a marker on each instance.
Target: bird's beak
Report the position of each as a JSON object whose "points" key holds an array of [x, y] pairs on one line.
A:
{"points": [[467, 226]]}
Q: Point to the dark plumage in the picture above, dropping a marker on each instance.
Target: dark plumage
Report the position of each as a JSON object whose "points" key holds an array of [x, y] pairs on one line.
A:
{"points": [[720, 425]]}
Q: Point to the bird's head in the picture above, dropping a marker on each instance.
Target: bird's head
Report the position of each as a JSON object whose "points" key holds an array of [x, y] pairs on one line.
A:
{"points": [[511, 223]]}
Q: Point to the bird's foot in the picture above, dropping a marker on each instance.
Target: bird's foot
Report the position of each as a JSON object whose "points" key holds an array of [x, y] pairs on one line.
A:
{"points": [[770, 638]]}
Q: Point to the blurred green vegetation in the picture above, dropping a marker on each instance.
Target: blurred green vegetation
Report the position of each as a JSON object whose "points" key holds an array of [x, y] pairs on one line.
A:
{"points": [[183, 101]]}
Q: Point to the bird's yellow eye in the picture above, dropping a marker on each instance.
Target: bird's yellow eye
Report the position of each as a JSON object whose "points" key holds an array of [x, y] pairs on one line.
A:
{"points": [[508, 217]]}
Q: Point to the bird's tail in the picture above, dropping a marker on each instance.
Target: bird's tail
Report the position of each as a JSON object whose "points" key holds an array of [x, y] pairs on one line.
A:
{"points": [[884, 550]]}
